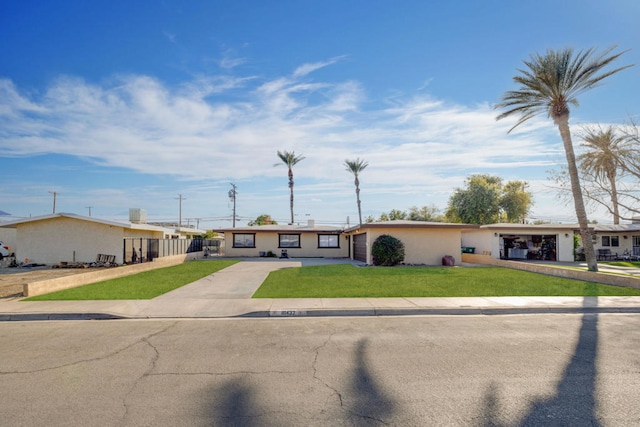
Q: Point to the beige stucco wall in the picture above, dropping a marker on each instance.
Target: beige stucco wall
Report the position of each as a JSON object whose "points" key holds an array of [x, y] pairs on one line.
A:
{"points": [[58, 239], [481, 240], [268, 241], [421, 245]]}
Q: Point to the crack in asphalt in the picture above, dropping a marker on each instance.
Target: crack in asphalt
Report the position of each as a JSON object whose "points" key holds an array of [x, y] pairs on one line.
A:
{"points": [[93, 359], [152, 365], [315, 369]]}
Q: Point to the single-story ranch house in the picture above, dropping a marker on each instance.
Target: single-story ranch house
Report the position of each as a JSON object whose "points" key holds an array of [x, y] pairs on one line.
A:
{"points": [[66, 237], [304, 241], [425, 242], [428, 242]]}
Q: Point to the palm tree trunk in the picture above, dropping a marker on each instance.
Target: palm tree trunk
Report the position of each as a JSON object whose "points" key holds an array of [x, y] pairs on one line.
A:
{"points": [[291, 193], [563, 126], [614, 198], [357, 182]]}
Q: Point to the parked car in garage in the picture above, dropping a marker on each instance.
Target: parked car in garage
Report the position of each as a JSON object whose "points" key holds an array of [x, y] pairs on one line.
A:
{"points": [[5, 250]]}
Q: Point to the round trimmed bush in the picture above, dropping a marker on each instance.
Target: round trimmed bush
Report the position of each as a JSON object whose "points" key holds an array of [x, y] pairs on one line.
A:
{"points": [[387, 250]]}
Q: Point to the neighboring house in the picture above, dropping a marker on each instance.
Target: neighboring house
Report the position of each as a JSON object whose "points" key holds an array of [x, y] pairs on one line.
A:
{"points": [[620, 240], [424, 242], [308, 241], [551, 242], [65, 237], [548, 242]]}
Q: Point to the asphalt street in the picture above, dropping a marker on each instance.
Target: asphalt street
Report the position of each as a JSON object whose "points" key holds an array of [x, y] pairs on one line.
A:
{"points": [[517, 370]]}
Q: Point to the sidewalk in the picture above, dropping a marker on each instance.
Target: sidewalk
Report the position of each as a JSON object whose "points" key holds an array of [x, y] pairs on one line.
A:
{"points": [[227, 293]]}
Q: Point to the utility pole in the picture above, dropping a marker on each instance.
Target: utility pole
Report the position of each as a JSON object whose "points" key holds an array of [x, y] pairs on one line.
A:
{"points": [[55, 193], [180, 218], [232, 196], [89, 207]]}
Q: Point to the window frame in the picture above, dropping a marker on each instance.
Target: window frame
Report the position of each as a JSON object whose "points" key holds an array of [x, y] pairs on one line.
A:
{"points": [[612, 241], [235, 243], [337, 246], [298, 235]]}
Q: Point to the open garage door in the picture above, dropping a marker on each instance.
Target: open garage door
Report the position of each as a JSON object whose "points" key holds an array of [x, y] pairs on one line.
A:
{"points": [[360, 247]]}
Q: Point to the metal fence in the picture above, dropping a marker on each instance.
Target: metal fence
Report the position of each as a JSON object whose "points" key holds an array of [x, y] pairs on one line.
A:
{"points": [[136, 250]]}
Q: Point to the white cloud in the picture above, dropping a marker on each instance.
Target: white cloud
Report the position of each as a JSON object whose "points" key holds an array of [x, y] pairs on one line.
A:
{"points": [[418, 148], [309, 68]]}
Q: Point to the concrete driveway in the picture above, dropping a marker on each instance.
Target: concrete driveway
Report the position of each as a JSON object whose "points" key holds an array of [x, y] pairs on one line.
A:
{"points": [[241, 280]]}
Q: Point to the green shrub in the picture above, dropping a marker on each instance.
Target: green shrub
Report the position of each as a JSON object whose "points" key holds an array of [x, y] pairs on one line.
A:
{"points": [[387, 250]]}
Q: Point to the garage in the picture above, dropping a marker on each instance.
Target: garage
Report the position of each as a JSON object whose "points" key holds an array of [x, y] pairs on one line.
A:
{"points": [[531, 247], [360, 247]]}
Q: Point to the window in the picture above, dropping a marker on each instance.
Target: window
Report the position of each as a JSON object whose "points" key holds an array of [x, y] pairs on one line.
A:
{"points": [[328, 241], [611, 241], [288, 240], [241, 240]]}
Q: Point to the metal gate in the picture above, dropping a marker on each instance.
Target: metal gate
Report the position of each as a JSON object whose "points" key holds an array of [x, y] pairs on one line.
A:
{"points": [[140, 249], [360, 247]]}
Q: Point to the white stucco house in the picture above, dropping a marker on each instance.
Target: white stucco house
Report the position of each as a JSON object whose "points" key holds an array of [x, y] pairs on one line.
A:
{"points": [[65, 237], [551, 242], [618, 241], [548, 242]]}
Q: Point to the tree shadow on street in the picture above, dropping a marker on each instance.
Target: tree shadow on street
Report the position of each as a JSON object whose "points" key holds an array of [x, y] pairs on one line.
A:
{"points": [[234, 405], [574, 402], [371, 404]]}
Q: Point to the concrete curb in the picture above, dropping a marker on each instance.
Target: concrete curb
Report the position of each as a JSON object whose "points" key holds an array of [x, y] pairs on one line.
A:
{"points": [[25, 317], [369, 312]]}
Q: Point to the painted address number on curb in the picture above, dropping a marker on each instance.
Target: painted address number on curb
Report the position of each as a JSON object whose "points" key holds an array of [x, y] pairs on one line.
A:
{"points": [[288, 313]]}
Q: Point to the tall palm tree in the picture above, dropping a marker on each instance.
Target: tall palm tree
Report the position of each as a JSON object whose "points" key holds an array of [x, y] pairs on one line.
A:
{"points": [[551, 83], [289, 159], [603, 158], [355, 167]]}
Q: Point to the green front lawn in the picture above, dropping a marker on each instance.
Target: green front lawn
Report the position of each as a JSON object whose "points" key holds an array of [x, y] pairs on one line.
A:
{"points": [[146, 285], [347, 281], [633, 264]]}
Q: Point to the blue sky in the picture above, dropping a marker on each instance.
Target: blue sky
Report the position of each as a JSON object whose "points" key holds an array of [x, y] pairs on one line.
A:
{"points": [[116, 105]]}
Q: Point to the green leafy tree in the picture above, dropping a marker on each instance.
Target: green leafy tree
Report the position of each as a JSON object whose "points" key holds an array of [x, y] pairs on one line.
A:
{"points": [[263, 220], [515, 201], [289, 159], [395, 215], [425, 213], [369, 219], [387, 250], [550, 84], [356, 167], [478, 202]]}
